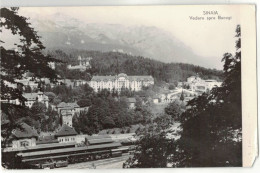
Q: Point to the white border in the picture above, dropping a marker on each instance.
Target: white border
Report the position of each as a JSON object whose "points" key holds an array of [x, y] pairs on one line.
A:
{"points": [[145, 2]]}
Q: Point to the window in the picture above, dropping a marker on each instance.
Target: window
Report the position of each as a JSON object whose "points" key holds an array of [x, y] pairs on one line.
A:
{"points": [[24, 143]]}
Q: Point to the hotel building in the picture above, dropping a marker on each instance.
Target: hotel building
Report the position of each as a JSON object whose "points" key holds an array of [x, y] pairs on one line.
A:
{"points": [[134, 83]]}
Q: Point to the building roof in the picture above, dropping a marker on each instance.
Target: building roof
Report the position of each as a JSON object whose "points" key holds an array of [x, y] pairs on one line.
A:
{"points": [[131, 78], [100, 141], [66, 112], [34, 96], [155, 97], [192, 77], [65, 130], [67, 150], [93, 137], [49, 146], [46, 140], [30, 96], [131, 100], [75, 105], [25, 131], [68, 105]]}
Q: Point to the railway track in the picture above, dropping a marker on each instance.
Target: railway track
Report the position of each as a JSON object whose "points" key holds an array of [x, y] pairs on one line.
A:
{"points": [[89, 165]]}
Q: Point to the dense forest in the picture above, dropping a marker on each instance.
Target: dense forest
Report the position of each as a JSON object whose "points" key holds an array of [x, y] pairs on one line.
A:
{"points": [[112, 63]]}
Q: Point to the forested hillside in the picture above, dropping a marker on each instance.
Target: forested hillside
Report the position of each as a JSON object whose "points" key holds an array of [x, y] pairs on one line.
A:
{"points": [[111, 63]]}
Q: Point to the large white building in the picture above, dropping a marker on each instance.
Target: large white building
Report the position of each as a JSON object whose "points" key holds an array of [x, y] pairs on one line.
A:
{"points": [[199, 85], [135, 83]]}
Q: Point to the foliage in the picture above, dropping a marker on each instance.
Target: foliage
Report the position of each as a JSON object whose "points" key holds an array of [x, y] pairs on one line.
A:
{"points": [[171, 87], [44, 119], [84, 102], [211, 127], [153, 148], [68, 94], [174, 110], [26, 57], [182, 96], [112, 63], [51, 96], [107, 112]]}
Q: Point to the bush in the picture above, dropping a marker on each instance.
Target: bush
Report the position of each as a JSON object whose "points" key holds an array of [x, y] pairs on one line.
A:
{"points": [[171, 87]]}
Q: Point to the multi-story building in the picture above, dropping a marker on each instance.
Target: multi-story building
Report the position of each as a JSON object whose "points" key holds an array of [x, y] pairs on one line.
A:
{"points": [[199, 85], [134, 83], [67, 116], [64, 107], [84, 63], [31, 98], [68, 110]]}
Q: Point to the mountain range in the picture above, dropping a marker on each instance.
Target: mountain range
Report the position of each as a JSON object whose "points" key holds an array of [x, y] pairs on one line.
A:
{"points": [[63, 32]]}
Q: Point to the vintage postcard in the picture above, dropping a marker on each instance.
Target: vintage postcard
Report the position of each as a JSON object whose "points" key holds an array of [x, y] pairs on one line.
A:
{"points": [[128, 87]]}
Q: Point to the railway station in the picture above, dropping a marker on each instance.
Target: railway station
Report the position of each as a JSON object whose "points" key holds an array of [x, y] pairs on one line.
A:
{"points": [[28, 150]]}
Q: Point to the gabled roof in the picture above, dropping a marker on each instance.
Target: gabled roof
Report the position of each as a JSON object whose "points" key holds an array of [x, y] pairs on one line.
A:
{"points": [[30, 96], [62, 104], [34, 96], [131, 100], [66, 130], [75, 105], [68, 105], [25, 131]]}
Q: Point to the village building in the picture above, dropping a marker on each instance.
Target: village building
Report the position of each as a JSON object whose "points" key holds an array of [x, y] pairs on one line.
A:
{"points": [[31, 98], [131, 102], [52, 65], [25, 136], [28, 83], [134, 83], [199, 85], [156, 99], [84, 63], [72, 107], [79, 82], [66, 117], [66, 134], [68, 110]]}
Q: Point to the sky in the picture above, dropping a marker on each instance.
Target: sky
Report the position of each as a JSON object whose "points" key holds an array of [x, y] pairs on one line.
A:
{"points": [[207, 38]]}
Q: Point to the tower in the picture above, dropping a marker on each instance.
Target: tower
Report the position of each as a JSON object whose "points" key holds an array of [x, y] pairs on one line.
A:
{"points": [[79, 58]]}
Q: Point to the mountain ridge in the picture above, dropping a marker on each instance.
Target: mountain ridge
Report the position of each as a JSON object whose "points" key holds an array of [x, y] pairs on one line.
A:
{"points": [[63, 32]]}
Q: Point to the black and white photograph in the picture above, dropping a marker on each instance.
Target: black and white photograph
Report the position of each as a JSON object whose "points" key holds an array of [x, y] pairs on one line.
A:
{"points": [[101, 87]]}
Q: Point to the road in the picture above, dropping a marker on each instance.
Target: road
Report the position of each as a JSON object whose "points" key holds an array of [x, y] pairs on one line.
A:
{"points": [[116, 162]]}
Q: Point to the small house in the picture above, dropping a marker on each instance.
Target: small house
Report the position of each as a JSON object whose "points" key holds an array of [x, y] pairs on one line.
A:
{"points": [[131, 102], [66, 134], [24, 136]]}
